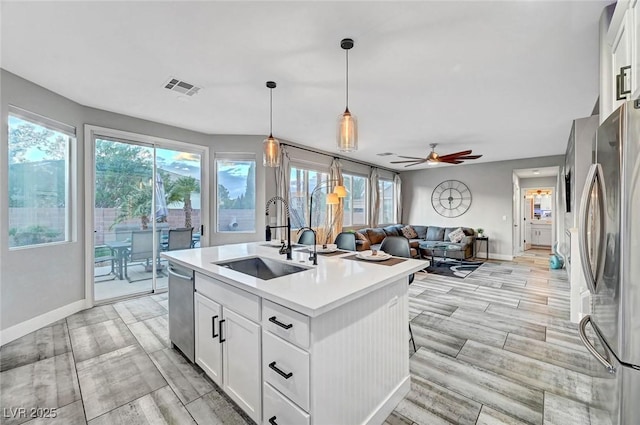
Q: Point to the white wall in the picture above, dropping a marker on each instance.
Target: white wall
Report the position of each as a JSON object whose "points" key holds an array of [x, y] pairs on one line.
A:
{"points": [[492, 198], [38, 284]]}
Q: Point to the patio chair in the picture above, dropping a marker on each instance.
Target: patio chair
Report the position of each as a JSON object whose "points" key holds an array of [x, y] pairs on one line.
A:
{"points": [[180, 239], [103, 254], [141, 250]]}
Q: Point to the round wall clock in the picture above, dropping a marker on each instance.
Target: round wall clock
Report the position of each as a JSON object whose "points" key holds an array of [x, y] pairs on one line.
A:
{"points": [[451, 198]]}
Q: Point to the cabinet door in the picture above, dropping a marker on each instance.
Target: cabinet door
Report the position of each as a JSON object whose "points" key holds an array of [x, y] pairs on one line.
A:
{"points": [[208, 347], [621, 57], [545, 237], [241, 350]]}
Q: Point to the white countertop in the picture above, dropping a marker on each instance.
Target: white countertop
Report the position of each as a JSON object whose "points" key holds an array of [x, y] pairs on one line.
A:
{"points": [[332, 283]]}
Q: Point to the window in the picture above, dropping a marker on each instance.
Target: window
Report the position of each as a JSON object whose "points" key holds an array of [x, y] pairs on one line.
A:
{"points": [[39, 182], [355, 204], [302, 183], [386, 190], [236, 193]]}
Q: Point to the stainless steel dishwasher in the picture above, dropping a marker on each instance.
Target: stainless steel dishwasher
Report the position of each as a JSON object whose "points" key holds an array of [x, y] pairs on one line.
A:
{"points": [[181, 312]]}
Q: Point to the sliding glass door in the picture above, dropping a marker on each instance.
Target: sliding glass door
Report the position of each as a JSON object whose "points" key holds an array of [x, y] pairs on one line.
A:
{"points": [[142, 191]]}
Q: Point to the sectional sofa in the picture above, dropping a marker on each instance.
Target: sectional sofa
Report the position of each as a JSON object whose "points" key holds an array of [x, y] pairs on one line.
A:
{"points": [[427, 236]]}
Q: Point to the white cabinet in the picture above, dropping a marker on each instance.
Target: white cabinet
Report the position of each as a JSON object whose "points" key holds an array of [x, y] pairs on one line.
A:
{"points": [[208, 346], [228, 345], [619, 56], [541, 234], [241, 354]]}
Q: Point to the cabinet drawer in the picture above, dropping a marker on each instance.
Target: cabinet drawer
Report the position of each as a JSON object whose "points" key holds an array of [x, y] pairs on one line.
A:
{"points": [[286, 323], [286, 368], [279, 410], [240, 301]]}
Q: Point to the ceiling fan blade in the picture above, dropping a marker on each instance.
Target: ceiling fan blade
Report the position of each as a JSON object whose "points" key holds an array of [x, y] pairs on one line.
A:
{"points": [[452, 161], [417, 161], [410, 157], [469, 157], [453, 155]]}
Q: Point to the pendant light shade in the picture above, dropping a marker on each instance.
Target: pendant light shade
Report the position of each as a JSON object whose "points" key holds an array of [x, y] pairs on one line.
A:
{"points": [[270, 145], [332, 199], [347, 122]]}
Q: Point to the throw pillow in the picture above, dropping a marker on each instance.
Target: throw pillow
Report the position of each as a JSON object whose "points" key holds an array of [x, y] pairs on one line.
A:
{"points": [[457, 235], [409, 233], [361, 237]]}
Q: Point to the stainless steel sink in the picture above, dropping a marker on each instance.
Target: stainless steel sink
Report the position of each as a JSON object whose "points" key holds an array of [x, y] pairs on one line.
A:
{"points": [[262, 268]]}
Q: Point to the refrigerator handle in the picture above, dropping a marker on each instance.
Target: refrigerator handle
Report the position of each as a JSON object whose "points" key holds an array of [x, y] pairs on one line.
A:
{"points": [[583, 337], [594, 176]]}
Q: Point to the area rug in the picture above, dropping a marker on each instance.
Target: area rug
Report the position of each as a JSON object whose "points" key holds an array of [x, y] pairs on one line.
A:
{"points": [[454, 268]]}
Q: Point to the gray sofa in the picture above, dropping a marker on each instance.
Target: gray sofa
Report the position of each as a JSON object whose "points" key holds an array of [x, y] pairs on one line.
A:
{"points": [[428, 236]]}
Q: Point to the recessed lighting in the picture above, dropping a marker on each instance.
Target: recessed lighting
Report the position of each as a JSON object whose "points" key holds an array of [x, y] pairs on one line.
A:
{"points": [[536, 172], [385, 153]]}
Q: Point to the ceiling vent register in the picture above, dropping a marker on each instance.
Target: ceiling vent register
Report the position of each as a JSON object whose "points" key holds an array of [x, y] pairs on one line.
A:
{"points": [[181, 87]]}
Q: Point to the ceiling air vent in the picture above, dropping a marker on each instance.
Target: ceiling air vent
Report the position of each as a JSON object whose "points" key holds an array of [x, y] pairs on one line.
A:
{"points": [[181, 86]]}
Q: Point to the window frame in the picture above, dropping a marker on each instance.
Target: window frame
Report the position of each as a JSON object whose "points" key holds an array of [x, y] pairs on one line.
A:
{"points": [[381, 182], [306, 167], [367, 206], [70, 176], [233, 156]]}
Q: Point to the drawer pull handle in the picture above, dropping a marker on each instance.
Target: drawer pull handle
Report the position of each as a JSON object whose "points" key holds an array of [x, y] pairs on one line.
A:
{"points": [[220, 330], [273, 366], [272, 420], [282, 325], [213, 326]]}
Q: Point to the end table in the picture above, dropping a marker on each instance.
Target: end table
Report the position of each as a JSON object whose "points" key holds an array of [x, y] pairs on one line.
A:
{"points": [[484, 239]]}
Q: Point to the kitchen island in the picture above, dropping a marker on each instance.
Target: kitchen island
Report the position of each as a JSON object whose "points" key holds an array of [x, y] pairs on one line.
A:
{"points": [[328, 344]]}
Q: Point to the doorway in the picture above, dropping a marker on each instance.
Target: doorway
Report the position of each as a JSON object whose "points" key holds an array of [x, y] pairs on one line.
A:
{"points": [[141, 188]]}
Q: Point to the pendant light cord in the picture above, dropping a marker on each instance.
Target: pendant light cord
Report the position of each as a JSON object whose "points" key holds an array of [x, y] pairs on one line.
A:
{"points": [[347, 79], [270, 112]]}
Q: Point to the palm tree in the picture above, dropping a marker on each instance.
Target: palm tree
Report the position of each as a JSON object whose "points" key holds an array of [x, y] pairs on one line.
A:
{"points": [[180, 190]]}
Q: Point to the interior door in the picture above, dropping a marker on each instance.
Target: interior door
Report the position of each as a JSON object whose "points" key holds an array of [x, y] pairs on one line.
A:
{"points": [[527, 211]]}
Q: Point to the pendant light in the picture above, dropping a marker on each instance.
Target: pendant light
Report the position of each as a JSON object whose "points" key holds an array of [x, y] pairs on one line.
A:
{"points": [[271, 146], [347, 123]]}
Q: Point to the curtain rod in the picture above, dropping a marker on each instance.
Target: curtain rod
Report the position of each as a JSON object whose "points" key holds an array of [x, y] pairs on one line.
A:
{"points": [[340, 157]]}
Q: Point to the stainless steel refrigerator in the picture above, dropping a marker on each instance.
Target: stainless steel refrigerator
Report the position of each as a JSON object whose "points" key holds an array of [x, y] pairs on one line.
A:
{"points": [[610, 251]]}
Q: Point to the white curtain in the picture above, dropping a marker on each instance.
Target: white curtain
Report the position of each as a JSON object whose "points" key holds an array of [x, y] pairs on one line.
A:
{"points": [[283, 174], [374, 196], [336, 212], [397, 181]]}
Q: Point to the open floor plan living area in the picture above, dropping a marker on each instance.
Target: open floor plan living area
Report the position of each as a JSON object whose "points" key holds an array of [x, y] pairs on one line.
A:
{"points": [[319, 213]]}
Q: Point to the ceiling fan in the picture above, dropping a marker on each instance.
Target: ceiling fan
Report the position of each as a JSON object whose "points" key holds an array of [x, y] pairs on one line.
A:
{"points": [[433, 158]]}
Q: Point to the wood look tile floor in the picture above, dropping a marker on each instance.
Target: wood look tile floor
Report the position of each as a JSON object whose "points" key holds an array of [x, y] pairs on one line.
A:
{"points": [[494, 348]]}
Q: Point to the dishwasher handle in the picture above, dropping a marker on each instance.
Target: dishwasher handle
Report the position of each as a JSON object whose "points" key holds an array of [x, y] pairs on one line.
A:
{"points": [[179, 275]]}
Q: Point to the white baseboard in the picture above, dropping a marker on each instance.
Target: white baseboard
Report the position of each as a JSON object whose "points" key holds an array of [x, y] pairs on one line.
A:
{"points": [[28, 326], [386, 407], [494, 256]]}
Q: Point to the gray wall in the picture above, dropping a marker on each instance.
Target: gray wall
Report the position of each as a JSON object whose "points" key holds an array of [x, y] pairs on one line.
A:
{"points": [[34, 281], [539, 182], [492, 191]]}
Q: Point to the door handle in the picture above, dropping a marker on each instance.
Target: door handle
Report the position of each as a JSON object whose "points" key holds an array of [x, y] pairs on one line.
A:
{"points": [[594, 176], [583, 337], [220, 330], [213, 326], [621, 93]]}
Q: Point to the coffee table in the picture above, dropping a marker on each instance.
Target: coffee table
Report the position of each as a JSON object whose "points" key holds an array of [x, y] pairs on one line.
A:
{"points": [[443, 248]]}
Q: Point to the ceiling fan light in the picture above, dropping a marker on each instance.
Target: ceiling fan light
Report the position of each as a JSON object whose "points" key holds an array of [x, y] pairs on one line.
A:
{"points": [[332, 199], [347, 132], [340, 191], [271, 152]]}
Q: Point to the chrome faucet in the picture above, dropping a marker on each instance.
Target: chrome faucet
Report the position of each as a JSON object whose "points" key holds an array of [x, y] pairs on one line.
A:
{"points": [[314, 255], [283, 249]]}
